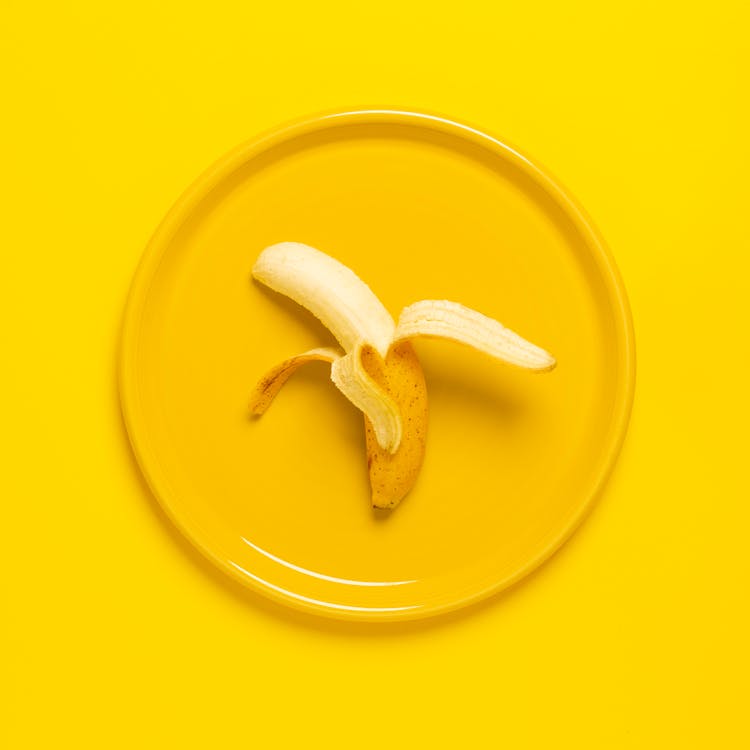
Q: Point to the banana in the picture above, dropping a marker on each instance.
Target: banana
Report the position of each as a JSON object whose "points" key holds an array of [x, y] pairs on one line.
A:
{"points": [[378, 369]]}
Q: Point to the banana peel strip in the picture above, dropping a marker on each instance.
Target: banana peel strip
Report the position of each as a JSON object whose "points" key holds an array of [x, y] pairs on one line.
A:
{"points": [[270, 384], [455, 322]]}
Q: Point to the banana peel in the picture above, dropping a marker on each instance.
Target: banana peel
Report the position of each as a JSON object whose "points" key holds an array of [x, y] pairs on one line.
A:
{"points": [[400, 375], [378, 370], [270, 384]]}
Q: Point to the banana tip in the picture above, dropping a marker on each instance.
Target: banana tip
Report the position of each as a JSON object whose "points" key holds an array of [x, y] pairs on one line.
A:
{"points": [[549, 367]]}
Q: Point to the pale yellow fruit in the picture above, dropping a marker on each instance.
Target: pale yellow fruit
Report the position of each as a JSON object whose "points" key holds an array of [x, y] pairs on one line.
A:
{"points": [[378, 370]]}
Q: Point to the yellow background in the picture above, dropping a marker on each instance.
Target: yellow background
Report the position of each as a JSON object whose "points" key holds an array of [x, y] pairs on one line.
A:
{"points": [[117, 632]]}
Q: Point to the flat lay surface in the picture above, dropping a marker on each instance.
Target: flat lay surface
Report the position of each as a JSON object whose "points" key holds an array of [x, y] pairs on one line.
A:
{"points": [[119, 630]]}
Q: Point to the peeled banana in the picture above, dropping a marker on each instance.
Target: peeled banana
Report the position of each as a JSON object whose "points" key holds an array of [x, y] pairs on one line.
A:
{"points": [[378, 369]]}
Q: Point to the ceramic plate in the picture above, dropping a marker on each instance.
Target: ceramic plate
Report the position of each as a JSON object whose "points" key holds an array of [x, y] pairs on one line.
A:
{"points": [[420, 207]]}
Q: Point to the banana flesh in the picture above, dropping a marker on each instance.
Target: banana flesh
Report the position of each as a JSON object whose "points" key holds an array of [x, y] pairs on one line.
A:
{"points": [[330, 291]]}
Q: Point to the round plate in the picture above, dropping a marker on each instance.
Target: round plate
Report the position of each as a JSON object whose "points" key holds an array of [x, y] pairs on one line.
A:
{"points": [[419, 207]]}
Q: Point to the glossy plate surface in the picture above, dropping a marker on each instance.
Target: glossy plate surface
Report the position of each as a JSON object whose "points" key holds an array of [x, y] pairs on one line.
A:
{"points": [[419, 207]]}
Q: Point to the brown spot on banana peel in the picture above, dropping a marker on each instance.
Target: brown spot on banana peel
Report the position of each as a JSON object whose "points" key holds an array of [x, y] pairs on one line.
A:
{"points": [[401, 376]]}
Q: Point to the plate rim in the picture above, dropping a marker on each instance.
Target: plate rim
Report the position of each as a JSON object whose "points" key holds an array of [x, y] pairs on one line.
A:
{"points": [[246, 151]]}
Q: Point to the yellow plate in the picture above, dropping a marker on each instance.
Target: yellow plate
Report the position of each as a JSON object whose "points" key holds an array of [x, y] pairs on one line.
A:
{"points": [[419, 207]]}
